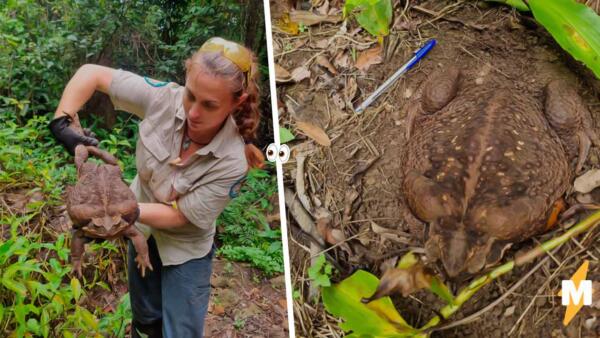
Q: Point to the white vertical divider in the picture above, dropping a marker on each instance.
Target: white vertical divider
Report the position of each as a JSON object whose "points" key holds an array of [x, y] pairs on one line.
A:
{"points": [[278, 164]]}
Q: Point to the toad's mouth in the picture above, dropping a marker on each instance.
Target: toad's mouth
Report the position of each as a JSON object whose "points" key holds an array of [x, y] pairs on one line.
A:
{"points": [[101, 231]]}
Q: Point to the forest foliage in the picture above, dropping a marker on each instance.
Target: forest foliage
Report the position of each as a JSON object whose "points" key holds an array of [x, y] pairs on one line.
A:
{"points": [[42, 44]]}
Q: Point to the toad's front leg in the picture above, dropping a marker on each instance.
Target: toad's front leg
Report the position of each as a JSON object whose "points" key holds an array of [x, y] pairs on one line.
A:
{"points": [[570, 118], [433, 95], [141, 247], [77, 247]]}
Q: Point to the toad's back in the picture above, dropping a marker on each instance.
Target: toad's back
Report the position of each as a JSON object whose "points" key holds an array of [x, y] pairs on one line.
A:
{"points": [[494, 159]]}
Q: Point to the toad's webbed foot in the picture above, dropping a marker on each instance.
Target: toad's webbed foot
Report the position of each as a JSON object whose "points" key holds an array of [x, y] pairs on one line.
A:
{"points": [[141, 247]]}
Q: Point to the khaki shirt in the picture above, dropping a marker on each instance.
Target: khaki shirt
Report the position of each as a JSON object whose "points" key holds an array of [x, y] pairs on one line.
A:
{"points": [[201, 185]]}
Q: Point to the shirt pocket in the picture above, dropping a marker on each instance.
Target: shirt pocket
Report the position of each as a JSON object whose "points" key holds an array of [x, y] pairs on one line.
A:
{"points": [[152, 137], [195, 175]]}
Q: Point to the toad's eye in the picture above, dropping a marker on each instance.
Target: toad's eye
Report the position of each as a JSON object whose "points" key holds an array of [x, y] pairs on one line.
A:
{"points": [[272, 152], [284, 153]]}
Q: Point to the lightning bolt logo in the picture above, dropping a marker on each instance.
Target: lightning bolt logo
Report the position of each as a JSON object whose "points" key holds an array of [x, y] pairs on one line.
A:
{"points": [[581, 295]]}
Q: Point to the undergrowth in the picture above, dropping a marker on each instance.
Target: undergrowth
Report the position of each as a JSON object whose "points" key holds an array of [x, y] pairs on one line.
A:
{"points": [[38, 296], [244, 231]]}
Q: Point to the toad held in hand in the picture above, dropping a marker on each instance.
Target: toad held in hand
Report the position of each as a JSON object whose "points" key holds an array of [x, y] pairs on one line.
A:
{"points": [[102, 206]]}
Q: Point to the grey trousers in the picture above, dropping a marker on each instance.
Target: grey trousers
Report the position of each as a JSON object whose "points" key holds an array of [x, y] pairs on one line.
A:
{"points": [[172, 300]]}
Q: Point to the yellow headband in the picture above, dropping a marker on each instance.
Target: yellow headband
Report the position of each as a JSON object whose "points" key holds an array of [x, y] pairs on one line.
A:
{"points": [[231, 50]]}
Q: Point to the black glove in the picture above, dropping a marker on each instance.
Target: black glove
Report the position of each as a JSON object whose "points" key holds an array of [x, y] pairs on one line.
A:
{"points": [[69, 137]]}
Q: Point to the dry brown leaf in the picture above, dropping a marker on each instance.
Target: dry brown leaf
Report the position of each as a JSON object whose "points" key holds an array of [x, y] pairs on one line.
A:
{"points": [[314, 132], [286, 25], [596, 295], [327, 232], [341, 60], [217, 310], [308, 18], [405, 281], [323, 9], [320, 44], [350, 91], [369, 57], [338, 101], [300, 74], [281, 74], [588, 181], [335, 236], [322, 60], [388, 234]]}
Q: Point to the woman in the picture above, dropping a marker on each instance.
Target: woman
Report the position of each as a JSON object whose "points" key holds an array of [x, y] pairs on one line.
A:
{"points": [[190, 154]]}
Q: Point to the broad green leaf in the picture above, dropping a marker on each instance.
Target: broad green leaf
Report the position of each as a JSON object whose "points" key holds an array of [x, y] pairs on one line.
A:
{"points": [[14, 286], [76, 288], [33, 326], [518, 4], [373, 15], [376, 319], [285, 135], [88, 318], [44, 321], [574, 26]]}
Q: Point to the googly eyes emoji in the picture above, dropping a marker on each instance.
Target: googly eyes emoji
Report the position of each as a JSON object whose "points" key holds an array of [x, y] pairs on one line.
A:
{"points": [[284, 153], [274, 153]]}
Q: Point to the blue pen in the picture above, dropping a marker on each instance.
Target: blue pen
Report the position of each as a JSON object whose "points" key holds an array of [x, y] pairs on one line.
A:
{"points": [[418, 55]]}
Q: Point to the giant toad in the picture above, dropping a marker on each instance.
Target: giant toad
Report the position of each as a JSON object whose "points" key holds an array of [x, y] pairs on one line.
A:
{"points": [[484, 165], [101, 205]]}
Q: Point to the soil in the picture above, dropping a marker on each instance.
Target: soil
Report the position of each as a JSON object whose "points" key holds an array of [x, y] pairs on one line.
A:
{"points": [[487, 42], [243, 302]]}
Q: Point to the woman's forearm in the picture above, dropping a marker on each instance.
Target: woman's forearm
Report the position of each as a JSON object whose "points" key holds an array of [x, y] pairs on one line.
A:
{"points": [[81, 87], [161, 216]]}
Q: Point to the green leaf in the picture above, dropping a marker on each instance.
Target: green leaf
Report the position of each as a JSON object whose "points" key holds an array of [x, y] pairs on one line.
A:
{"points": [[440, 289], [44, 320], [76, 288], [375, 319], [574, 26], [373, 15], [408, 260], [314, 272], [33, 326], [14, 286], [518, 4], [88, 318], [285, 135]]}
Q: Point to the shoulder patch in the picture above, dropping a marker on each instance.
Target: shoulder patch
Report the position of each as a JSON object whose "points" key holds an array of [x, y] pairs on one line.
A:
{"points": [[155, 83], [234, 191]]}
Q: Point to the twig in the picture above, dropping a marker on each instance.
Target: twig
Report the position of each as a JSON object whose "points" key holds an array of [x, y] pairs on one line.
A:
{"points": [[440, 15], [465, 294], [477, 314]]}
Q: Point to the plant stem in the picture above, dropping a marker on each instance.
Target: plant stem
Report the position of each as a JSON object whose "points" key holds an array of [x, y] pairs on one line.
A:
{"points": [[466, 293]]}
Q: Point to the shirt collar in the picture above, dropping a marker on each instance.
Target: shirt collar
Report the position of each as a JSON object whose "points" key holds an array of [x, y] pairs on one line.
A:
{"points": [[218, 145]]}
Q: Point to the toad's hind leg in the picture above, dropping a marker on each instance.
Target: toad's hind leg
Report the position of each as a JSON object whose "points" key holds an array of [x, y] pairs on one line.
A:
{"points": [[439, 89], [571, 120], [77, 247], [101, 154], [141, 247]]}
